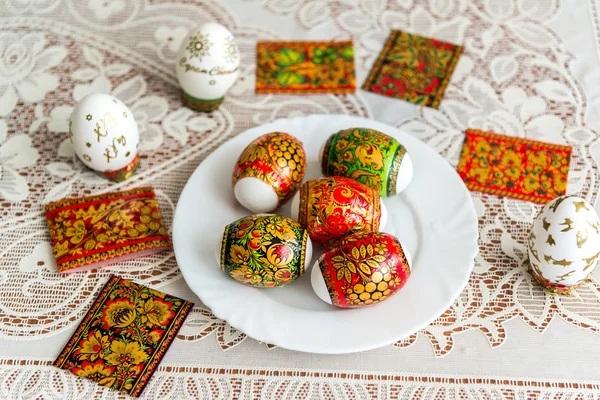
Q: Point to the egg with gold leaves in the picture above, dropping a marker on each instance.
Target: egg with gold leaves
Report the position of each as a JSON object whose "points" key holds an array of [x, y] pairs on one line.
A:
{"points": [[269, 171], [564, 244], [264, 250], [361, 270]]}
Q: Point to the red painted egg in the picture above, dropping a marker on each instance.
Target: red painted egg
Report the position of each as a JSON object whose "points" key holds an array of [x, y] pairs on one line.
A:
{"points": [[333, 207], [362, 269]]}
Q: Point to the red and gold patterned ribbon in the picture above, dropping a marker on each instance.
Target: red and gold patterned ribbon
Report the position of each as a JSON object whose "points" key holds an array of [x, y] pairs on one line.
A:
{"points": [[515, 167], [91, 231]]}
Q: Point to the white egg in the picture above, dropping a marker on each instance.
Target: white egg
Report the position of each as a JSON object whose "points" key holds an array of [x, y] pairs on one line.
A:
{"points": [[564, 243], [382, 219], [207, 66], [405, 173], [105, 135], [256, 195]]}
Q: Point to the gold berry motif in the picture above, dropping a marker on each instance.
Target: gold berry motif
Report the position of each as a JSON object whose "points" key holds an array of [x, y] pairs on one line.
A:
{"points": [[275, 158], [364, 269]]}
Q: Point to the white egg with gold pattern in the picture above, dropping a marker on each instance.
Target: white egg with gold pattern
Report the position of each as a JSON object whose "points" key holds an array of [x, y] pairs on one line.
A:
{"points": [[104, 134], [208, 64], [564, 243]]}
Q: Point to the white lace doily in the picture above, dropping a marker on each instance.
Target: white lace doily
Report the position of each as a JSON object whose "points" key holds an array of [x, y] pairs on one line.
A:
{"points": [[515, 77]]}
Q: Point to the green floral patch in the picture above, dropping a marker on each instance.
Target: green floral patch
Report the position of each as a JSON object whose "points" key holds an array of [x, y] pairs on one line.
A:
{"points": [[305, 67]]}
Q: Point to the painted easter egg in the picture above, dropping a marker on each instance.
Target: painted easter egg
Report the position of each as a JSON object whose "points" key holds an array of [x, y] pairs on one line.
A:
{"points": [[370, 157], [208, 64], [105, 136], [265, 250], [564, 243], [362, 269], [269, 171], [333, 207]]}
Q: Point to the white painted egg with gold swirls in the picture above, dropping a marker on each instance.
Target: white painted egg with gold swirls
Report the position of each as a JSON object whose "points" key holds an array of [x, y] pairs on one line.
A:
{"points": [[207, 66], [564, 243], [104, 134]]}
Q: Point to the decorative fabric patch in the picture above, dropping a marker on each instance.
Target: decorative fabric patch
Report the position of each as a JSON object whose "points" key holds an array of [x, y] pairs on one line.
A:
{"points": [[124, 336], [264, 250], [509, 166], [413, 68], [93, 231], [365, 155], [305, 67]]}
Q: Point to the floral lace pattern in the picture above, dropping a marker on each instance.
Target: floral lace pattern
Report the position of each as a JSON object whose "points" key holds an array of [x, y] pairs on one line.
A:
{"points": [[128, 49], [170, 382]]}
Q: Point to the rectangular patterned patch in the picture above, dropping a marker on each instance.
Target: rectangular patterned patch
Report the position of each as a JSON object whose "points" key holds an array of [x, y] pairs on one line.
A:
{"points": [[124, 336], [515, 167], [413, 68], [305, 67], [93, 231]]}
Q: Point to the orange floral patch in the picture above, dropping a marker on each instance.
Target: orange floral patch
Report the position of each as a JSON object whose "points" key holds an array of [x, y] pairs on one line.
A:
{"points": [[515, 167], [413, 68], [98, 229], [305, 67], [124, 336]]}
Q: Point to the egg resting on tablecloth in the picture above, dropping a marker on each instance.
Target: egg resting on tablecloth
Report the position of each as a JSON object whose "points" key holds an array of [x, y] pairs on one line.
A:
{"points": [[264, 250], [208, 64], [564, 243], [269, 171], [368, 156], [105, 136], [362, 269], [333, 207]]}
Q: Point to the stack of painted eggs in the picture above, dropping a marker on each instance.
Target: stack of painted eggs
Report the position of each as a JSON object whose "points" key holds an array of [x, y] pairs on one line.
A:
{"points": [[341, 212]]}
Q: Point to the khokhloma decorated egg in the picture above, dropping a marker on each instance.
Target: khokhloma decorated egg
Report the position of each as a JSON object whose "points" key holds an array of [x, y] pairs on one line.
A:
{"points": [[208, 64], [265, 250], [362, 269], [331, 208], [564, 243], [370, 157], [269, 171], [105, 136]]}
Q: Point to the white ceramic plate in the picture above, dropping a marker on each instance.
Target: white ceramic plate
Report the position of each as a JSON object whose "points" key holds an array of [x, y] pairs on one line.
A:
{"points": [[434, 217]]}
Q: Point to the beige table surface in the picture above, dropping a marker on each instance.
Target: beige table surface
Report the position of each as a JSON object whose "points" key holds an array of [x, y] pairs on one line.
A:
{"points": [[530, 68]]}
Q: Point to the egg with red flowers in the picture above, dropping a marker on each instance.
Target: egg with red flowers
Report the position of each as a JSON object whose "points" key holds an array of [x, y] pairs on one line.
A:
{"points": [[333, 207], [361, 270], [264, 250], [269, 171]]}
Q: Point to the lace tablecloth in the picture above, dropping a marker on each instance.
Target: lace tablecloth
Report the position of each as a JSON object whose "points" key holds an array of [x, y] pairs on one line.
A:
{"points": [[530, 68]]}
